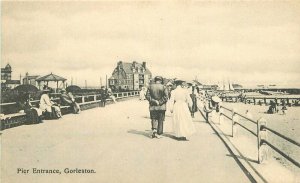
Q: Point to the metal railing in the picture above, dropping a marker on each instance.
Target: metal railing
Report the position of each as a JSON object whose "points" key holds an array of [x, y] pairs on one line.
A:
{"points": [[261, 134]]}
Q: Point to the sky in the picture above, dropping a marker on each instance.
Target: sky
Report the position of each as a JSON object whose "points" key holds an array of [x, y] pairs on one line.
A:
{"points": [[248, 43]]}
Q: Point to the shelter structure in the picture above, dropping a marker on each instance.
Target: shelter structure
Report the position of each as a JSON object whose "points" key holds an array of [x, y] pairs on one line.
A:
{"points": [[51, 78]]}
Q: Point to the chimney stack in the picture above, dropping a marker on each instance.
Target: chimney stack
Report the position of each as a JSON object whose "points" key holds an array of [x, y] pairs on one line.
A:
{"points": [[144, 65]]}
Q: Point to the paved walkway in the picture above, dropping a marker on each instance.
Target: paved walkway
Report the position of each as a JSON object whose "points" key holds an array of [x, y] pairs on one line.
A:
{"points": [[114, 142]]}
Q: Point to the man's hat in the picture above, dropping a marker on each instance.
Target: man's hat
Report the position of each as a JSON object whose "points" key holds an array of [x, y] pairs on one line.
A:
{"points": [[158, 78], [179, 82]]}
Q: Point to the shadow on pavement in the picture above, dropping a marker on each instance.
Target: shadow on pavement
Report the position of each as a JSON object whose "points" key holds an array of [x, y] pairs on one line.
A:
{"points": [[244, 158], [136, 132]]}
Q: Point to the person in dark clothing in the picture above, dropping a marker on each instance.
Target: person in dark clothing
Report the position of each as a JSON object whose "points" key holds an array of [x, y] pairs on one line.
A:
{"points": [[104, 95], [33, 114], [68, 100], [157, 95], [194, 107]]}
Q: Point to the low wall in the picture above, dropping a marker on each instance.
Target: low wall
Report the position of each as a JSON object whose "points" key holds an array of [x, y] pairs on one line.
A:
{"points": [[18, 119]]}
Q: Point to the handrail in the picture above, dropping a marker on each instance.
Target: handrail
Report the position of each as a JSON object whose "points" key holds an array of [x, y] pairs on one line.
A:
{"points": [[251, 120], [250, 131], [281, 153], [282, 136], [226, 108], [226, 116]]}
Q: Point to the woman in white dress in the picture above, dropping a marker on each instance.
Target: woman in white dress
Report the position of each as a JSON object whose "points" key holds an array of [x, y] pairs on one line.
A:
{"points": [[180, 102], [46, 105]]}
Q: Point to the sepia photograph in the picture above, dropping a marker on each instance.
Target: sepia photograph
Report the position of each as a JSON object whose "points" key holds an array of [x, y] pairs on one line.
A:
{"points": [[150, 91]]}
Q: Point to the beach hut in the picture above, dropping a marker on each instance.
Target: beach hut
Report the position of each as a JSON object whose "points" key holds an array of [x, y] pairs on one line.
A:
{"points": [[51, 78]]}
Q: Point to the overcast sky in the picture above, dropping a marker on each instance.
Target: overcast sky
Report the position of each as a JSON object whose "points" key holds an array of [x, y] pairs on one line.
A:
{"points": [[247, 43]]}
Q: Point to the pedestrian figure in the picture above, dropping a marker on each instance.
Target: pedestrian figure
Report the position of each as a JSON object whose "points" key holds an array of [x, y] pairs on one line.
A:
{"points": [[104, 96], [180, 101], [142, 93], [50, 108], [111, 96], [157, 95], [194, 107], [284, 108]]}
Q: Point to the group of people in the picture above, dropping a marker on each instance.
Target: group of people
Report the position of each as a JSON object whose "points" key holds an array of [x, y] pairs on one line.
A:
{"points": [[47, 107], [51, 109], [180, 99], [273, 108]]}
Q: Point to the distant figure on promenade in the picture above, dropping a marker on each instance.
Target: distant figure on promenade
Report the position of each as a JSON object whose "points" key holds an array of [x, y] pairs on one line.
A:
{"points": [[49, 107], [194, 107], [284, 108], [143, 93], [111, 96], [68, 100], [181, 101], [104, 95], [157, 95], [169, 86]]}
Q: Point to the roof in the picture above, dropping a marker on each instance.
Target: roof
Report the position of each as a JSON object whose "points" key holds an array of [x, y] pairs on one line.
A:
{"points": [[51, 77], [111, 77], [12, 82], [127, 67], [32, 77]]}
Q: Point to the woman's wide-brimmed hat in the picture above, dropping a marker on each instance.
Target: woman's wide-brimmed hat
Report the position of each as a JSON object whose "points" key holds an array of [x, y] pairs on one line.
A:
{"points": [[216, 99], [179, 82]]}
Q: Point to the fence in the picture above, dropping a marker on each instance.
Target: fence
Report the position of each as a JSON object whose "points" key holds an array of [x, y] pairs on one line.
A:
{"points": [[261, 134], [262, 100], [85, 102], [266, 100]]}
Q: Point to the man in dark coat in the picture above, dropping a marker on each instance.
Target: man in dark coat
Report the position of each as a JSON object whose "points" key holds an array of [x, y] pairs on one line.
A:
{"points": [[157, 95], [104, 95]]}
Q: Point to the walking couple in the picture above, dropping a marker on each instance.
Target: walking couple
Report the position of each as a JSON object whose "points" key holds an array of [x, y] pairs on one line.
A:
{"points": [[157, 95]]}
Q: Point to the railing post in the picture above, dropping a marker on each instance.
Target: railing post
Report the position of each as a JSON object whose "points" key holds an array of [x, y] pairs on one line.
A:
{"points": [[254, 101], [265, 101], [82, 99], [235, 118], [262, 150], [95, 97]]}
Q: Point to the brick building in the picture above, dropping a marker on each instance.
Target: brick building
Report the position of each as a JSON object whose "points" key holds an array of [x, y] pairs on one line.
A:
{"points": [[129, 76]]}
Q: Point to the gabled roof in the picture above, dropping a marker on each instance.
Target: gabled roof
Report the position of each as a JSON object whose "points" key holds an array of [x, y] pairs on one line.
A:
{"points": [[51, 77], [128, 67]]}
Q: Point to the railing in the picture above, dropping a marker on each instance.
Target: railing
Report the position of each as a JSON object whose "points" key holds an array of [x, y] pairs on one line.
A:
{"points": [[261, 100], [261, 134], [81, 100], [266, 100]]}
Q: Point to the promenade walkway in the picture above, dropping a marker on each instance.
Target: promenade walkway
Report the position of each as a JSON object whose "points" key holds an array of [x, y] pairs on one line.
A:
{"points": [[114, 142]]}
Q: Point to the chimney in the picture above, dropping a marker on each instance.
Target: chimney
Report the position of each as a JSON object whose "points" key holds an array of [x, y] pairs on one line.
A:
{"points": [[144, 65], [120, 64]]}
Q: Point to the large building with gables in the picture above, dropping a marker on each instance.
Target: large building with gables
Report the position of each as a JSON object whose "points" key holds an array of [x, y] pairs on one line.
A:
{"points": [[130, 76]]}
